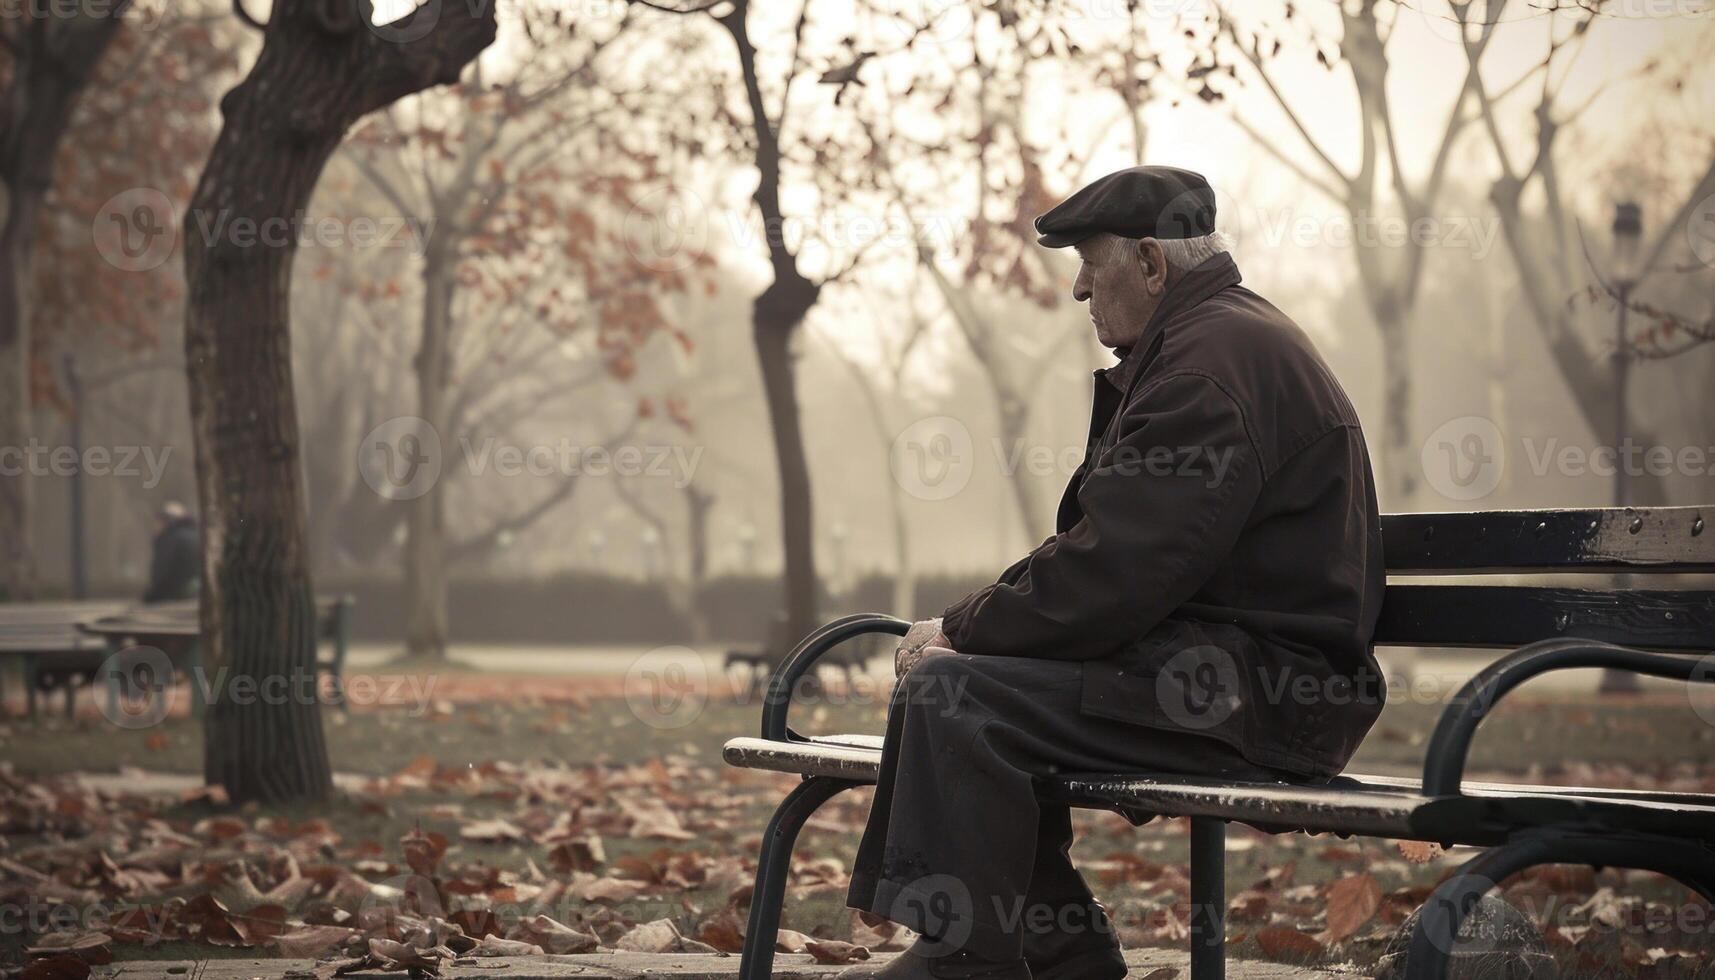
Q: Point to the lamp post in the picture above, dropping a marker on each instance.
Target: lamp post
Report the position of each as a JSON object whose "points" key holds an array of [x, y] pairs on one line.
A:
{"points": [[1628, 230]]}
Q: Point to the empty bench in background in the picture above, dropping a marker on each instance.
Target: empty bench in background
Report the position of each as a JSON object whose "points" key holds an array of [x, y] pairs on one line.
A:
{"points": [[1661, 631], [174, 628], [51, 652]]}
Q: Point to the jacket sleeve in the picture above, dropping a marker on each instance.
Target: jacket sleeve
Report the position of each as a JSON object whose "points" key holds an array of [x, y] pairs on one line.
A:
{"points": [[1162, 509]]}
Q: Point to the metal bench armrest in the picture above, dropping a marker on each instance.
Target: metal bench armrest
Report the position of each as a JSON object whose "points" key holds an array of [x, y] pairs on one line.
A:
{"points": [[1444, 761], [804, 656]]}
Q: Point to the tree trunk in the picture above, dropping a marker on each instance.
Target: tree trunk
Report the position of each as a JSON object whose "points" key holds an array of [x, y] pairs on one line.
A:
{"points": [[777, 313], [774, 319], [320, 69], [17, 551], [1400, 457], [426, 528], [52, 60]]}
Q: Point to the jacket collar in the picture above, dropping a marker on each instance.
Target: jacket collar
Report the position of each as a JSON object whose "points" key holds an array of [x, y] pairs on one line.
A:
{"points": [[1188, 292]]}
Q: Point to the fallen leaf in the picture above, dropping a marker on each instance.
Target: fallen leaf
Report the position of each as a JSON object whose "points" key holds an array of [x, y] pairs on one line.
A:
{"points": [[832, 951], [553, 936], [724, 931], [311, 942], [491, 831], [1419, 852], [583, 854], [1351, 902], [660, 936], [91, 947], [496, 946], [610, 890], [423, 852]]}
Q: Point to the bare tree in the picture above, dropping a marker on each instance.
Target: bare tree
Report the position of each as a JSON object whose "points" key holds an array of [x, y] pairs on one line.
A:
{"points": [[1390, 277], [1549, 253], [790, 294], [483, 173], [52, 57]]}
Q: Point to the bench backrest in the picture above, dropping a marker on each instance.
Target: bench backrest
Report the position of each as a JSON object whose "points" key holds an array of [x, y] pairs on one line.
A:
{"points": [[1656, 546]]}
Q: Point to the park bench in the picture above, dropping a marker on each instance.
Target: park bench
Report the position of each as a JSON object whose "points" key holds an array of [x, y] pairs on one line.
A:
{"points": [[1662, 631], [43, 639], [65, 644], [174, 628]]}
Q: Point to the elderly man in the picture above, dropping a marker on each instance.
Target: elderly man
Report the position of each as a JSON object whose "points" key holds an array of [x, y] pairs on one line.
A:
{"points": [[1206, 605]]}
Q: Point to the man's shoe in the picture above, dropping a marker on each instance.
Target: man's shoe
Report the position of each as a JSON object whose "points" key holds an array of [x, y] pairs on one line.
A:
{"points": [[913, 965], [1087, 951], [1106, 963]]}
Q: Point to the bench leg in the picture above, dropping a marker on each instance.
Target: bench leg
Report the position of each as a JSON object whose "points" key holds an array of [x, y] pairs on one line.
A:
{"points": [[1438, 923], [1208, 898], [769, 895]]}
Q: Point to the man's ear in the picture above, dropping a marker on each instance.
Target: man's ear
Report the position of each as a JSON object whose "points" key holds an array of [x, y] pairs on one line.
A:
{"points": [[1154, 264]]}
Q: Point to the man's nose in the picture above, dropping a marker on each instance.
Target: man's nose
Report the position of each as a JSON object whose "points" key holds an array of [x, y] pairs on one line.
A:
{"points": [[1081, 286]]}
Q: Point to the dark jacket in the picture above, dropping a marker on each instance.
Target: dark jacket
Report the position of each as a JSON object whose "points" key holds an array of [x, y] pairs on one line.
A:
{"points": [[176, 563], [1218, 562]]}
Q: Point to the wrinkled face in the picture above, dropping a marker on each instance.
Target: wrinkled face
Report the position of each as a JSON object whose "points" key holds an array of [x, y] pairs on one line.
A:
{"points": [[1123, 280]]}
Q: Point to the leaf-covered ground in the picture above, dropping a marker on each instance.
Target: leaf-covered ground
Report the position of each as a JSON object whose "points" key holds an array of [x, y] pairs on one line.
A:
{"points": [[545, 813]]}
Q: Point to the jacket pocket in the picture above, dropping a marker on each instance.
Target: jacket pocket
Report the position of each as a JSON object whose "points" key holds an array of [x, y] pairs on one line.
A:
{"points": [[1182, 676]]}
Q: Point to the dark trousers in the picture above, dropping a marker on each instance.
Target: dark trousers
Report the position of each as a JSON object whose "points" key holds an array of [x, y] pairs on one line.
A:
{"points": [[958, 848]]}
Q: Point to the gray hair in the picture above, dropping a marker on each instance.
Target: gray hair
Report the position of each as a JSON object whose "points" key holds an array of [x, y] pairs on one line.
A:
{"points": [[1182, 254], [1185, 254]]}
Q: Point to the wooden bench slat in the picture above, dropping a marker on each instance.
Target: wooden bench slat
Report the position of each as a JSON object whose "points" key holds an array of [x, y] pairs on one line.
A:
{"points": [[1497, 616], [1377, 806], [1634, 539]]}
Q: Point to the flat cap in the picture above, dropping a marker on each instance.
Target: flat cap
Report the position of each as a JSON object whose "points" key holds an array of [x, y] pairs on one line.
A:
{"points": [[1138, 202]]}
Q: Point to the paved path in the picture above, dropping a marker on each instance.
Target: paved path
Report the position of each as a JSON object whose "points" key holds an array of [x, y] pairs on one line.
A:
{"points": [[631, 966]]}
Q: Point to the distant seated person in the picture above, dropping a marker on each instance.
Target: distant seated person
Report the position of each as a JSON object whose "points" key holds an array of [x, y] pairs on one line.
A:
{"points": [[175, 568], [1206, 605]]}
